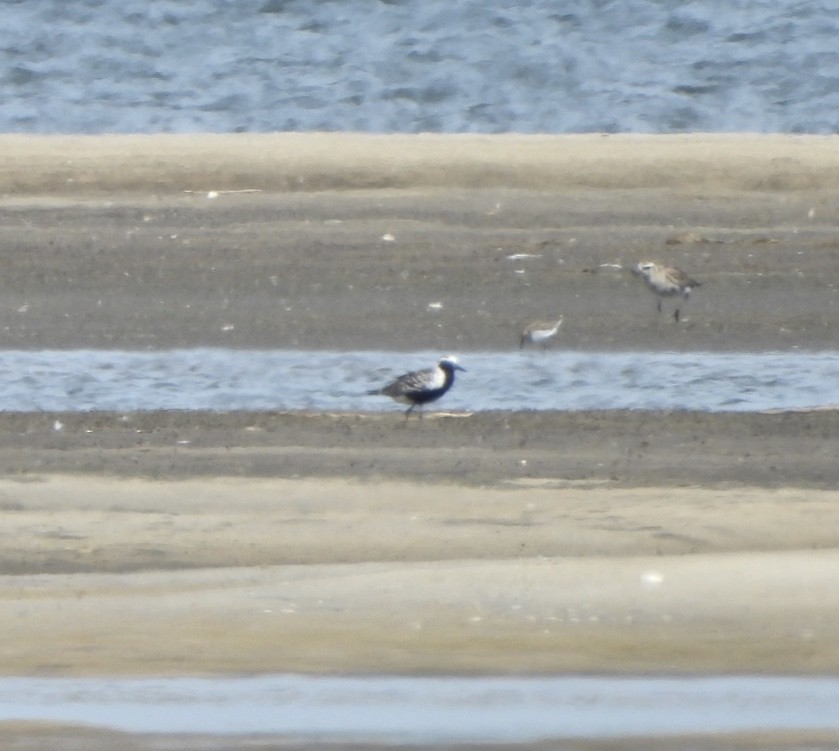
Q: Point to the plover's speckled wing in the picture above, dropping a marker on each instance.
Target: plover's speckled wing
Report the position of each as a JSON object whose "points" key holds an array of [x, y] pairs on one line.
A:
{"points": [[415, 382], [666, 281], [680, 278]]}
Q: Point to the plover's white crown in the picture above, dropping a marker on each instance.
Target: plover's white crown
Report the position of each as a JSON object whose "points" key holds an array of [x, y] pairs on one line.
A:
{"points": [[452, 360]]}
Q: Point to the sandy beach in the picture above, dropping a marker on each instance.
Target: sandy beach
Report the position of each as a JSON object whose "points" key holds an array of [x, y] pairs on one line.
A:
{"points": [[177, 543]]}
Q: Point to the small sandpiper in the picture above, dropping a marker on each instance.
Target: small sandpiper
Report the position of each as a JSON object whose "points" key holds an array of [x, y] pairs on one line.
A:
{"points": [[422, 386], [539, 332], [666, 281]]}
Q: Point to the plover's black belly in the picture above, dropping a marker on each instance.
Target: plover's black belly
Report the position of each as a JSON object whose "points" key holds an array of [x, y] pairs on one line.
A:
{"points": [[423, 397]]}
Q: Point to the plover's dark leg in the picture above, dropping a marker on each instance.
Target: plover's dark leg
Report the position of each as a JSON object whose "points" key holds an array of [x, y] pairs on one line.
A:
{"points": [[685, 296], [659, 305]]}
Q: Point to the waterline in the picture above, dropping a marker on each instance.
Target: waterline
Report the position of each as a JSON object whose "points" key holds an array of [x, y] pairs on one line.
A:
{"points": [[222, 379], [441, 710]]}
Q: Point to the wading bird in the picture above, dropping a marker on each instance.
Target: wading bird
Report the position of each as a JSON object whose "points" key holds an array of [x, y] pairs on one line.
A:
{"points": [[539, 332], [666, 281], [420, 387]]}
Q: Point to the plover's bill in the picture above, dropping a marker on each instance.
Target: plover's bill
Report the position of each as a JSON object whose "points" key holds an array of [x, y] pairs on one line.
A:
{"points": [[539, 332], [422, 386], [666, 281]]}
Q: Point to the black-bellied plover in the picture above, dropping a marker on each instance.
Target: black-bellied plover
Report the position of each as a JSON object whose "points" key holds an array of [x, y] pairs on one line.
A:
{"points": [[666, 281], [539, 332], [422, 386]]}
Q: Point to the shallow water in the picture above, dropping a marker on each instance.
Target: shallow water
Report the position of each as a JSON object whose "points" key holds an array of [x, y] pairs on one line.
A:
{"points": [[430, 709], [221, 379], [97, 66]]}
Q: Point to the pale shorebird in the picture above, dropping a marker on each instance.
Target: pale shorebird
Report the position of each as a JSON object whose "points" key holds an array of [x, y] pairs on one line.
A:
{"points": [[666, 281], [422, 386], [539, 332]]}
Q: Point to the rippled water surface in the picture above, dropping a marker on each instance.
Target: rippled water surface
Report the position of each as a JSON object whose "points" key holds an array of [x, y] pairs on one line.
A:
{"points": [[98, 66], [430, 709], [221, 379]]}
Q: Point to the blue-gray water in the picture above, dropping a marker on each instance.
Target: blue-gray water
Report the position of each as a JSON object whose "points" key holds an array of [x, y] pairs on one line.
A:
{"points": [[430, 710], [96, 66], [222, 379]]}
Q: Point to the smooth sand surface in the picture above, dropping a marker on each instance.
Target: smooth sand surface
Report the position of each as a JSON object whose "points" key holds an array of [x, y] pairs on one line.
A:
{"points": [[140, 576], [183, 544], [337, 161]]}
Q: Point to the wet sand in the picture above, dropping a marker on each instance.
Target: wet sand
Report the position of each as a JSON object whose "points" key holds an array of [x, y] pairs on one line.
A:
{"points": [[132, 242], [228, 543]]}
